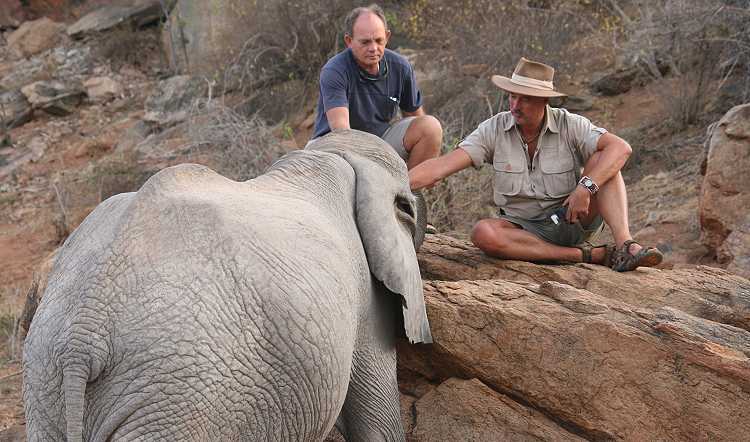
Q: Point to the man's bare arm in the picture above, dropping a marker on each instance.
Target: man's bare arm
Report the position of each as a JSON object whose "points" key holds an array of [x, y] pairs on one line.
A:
{"points": [[431, 171], [338, 117], [614, 153]]}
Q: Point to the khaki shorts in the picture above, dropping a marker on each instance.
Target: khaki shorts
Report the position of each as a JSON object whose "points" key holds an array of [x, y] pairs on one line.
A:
{"points": [[563, 234], [395, 134]]}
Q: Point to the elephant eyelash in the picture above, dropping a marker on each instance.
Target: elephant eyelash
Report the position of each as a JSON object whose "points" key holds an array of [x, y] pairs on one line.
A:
{"points": [[403, 206]]}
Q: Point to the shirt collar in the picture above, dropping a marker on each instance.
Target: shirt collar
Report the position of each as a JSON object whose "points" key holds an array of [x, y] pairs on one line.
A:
{"points": [[366, 76], [549, 122]]}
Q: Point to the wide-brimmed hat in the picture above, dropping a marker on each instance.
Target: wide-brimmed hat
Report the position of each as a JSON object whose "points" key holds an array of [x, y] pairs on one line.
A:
{"points": [[529, 78]]}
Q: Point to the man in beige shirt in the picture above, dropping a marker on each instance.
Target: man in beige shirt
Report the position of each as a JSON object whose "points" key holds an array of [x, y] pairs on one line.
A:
{"points": [[557, 179]]}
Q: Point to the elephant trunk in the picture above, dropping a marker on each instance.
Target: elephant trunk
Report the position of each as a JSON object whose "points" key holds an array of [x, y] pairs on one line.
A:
{"points": [[421, 226]]}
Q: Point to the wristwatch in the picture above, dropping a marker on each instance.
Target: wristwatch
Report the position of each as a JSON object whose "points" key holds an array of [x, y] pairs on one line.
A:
{"points": [[588, 184]]}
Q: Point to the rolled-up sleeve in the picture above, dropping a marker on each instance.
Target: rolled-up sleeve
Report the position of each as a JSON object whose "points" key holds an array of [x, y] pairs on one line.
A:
{"points": [[584, 135], [479, 144]]}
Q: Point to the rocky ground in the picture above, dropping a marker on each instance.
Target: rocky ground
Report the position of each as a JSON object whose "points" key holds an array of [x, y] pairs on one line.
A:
{"points": [[75, 109]]}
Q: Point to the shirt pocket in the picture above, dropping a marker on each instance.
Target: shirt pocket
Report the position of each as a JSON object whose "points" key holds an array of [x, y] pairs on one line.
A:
{"points": [[509, 177], [558, 171]]}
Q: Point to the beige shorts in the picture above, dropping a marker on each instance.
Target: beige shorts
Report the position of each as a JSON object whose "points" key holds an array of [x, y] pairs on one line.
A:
{"points": [[395, 134]]}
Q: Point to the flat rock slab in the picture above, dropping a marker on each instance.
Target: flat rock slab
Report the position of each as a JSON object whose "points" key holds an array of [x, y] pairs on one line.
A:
{"points": [[54, 97], [701, 291], [35, 36], [468, 410], [107, 17], [603, 369]]}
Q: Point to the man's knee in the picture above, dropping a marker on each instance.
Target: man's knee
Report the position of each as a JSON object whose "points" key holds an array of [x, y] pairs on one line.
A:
{"points": [[425, 128], [487, 234]]}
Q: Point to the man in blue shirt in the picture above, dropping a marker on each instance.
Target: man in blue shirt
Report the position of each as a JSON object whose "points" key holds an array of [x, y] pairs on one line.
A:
{"points": [[363, 87]]}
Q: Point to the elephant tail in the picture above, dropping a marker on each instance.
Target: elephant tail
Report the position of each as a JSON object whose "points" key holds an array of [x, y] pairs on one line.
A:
{"points": [[75, 376]]}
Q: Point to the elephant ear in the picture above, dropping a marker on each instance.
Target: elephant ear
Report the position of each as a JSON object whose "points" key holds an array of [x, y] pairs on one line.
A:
{"points": [[388, 235]]}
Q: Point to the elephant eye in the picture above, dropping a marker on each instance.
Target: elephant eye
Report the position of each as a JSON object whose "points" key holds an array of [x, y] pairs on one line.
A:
{"points": [[403, 206]]}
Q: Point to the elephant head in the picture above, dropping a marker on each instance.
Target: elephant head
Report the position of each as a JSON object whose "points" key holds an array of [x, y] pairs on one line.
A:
{"points": [[387, 219]]}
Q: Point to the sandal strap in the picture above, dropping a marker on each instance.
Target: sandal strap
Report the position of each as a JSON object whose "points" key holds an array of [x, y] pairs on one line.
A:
{"points": [[626, 245], [586, 253]]}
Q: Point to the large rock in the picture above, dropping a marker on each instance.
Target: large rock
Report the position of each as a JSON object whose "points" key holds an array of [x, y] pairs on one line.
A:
{"points": [[705, 292], [725, 193], [35, 36], [139, 12], [171, 101], [615, 83], [201, 37], [54, 97], [615, 359], [15, 110], [102, 88], [468, 410], [19, 74], [11, 14], [736, 248]]}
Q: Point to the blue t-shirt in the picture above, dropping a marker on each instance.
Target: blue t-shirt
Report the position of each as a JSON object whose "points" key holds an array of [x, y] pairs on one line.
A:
{"points": [[372, 100]]}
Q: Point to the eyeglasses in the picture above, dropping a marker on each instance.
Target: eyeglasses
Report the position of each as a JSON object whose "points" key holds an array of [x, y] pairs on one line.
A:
{"points": [[363, 75]]}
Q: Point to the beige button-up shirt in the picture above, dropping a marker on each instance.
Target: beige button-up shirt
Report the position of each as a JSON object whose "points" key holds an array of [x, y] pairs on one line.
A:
{"points": [[529, 188]]}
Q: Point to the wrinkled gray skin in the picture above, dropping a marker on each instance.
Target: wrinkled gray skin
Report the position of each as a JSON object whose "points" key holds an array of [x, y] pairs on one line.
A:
{"points": [[204, 309]]}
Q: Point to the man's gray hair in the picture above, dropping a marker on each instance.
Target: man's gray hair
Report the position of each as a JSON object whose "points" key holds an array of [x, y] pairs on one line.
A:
{"points": [[354, 15]]}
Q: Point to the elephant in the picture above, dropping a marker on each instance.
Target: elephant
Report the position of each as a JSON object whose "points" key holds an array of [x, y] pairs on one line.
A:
{"points": [[201, 308]]}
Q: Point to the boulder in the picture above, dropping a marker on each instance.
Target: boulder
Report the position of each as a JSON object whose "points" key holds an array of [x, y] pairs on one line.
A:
{"points": [[725, 192], [705, 292], [172, 99], [19, 74], [72, 63], [54, 97], [138, 12], [202, 37], [469, 410], [102, 88], [15, 110], [605, 355], [11, 14], [735, 249], [615, 83], [35, 36]]}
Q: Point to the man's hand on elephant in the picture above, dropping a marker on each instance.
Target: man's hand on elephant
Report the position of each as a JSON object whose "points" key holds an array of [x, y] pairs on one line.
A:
{"points": [[421, 177], [578, 204]]}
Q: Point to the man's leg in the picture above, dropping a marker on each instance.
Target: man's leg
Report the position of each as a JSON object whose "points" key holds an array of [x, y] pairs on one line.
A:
{"points": [[611, 202], [423, 139], [503, 239]]}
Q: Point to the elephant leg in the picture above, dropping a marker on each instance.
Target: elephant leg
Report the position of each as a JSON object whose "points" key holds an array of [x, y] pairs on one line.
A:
{"points": [[372, 410]]}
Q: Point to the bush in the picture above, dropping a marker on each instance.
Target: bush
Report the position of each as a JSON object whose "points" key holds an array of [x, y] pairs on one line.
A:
{"points": [[702, 45], [126, 45], [236, 146], [76, 193], [294, 40]]}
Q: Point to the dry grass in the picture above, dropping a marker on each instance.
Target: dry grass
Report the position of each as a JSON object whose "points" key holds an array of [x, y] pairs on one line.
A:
{"points": [[238, 147], [76, 193], [703, 43], [9, 314]]}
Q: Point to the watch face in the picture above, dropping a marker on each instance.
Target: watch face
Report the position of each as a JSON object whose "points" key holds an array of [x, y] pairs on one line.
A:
{"points": [[587, 183]]}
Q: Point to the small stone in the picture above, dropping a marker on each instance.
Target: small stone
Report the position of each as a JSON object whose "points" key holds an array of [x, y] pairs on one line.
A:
{"points": [[102, 88]]}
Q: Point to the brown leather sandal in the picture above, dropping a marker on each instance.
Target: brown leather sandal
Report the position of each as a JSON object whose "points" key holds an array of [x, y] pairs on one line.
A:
{"points": [[624, 261], [586, 256]]}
